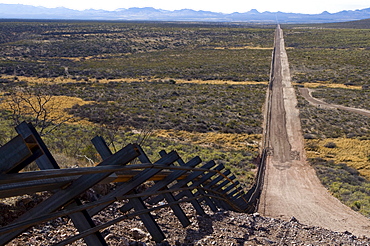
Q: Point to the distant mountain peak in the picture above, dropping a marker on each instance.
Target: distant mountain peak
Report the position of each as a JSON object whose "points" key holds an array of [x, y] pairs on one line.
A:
{"points": [[137, 9], [19, 11], [253, 11]]}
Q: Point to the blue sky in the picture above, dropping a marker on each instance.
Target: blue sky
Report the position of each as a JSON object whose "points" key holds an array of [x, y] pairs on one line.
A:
{"points": [[294, 6]]}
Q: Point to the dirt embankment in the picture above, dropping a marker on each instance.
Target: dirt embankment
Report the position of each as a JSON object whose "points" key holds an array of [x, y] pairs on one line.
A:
{"points": [[220, 228], [291, 187]]}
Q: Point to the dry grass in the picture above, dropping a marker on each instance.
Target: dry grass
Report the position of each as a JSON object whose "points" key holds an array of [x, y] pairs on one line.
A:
{"points": [[221, 82], [330, 85], [100, 56], [37, 80], [221, 140], [65, 161], [61, 80], [355, 153], [57, 106], [245, 48], [64, 103]]}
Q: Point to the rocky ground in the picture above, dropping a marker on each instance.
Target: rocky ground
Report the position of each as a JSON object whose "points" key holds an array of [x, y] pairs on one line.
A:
{"points": [[220, 228]]}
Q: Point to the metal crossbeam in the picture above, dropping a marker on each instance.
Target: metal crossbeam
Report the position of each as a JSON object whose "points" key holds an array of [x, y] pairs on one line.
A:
{"points": [[81, 219], [214, 185]]}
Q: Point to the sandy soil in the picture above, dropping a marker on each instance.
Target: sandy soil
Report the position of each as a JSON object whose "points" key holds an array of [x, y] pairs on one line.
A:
{"points": [[291, 187]]}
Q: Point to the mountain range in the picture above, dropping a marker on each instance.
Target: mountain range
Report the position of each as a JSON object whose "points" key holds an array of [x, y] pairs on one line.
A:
{"points": [[19, 11]]}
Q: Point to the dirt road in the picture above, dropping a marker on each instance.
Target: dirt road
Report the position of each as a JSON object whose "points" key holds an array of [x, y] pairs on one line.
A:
{"points": [[306, 93], [291, 187]]}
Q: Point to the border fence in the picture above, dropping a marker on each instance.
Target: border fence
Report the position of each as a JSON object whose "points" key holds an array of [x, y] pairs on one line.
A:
{"points": [[173, 182]]}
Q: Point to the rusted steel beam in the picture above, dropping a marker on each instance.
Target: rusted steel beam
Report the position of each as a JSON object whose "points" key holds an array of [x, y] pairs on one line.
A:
{"points": [[18, 153], [137, 203], [13, 153], [179, 213], [33, 186], [81, 220], [64, 196], [129, 171], [46, 161], [232, 186], [162, 185], [225, 182], [144, 175], [116, 220], [236, 193], [215, 187], [192, 177], [218, 188], [198, 208], [199, 183], [148, 220], [67, 211]]}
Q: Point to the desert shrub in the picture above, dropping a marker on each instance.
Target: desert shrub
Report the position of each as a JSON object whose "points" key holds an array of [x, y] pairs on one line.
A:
{"points": [[329, 55], [115, 50], [330, 145], [345, 97], [190, 107], [345, 183], [331, 123]]}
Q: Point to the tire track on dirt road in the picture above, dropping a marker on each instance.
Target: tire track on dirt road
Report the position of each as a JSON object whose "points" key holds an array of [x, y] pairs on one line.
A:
{"points": [[291, 187]]}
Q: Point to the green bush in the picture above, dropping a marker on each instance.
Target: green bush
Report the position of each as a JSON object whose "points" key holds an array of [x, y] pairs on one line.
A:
{"points": [[344, 183], [330, 145]]}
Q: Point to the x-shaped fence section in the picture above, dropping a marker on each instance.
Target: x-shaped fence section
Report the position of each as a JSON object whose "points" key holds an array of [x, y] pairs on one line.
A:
{"points": [[172, 181]]}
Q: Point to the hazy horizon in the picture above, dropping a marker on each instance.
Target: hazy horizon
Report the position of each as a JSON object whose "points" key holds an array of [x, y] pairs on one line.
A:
{"points": [[290, 6]]}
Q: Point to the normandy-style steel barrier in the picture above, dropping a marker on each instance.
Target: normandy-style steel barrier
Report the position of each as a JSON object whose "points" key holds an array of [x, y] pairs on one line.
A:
{"points": [[173, 180]]}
